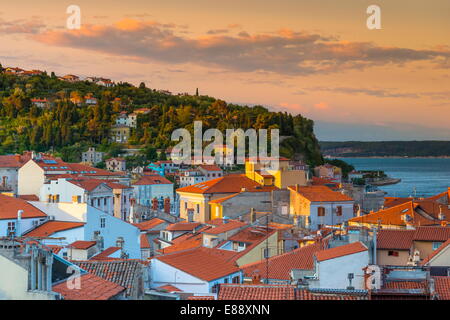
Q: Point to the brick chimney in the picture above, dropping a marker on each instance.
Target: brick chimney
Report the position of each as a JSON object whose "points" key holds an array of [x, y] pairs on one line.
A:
{"points": [[155, 204], [17, 157], [167, 205]]}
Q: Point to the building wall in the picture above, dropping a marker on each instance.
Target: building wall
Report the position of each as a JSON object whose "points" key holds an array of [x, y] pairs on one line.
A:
{"points": [[257, 253], [10, 176], [333, 273], [14, 283], [30, 179], [425, 248], [25, 224], [384, 259], [242, 204], [145, 194], [442, 259]]}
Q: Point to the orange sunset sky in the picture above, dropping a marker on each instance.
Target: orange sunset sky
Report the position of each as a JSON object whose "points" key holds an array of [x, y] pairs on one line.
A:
{"points": [[317, 58]]}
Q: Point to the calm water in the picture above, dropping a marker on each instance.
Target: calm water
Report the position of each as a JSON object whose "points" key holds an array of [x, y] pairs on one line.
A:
{"points": [[428, 176]]}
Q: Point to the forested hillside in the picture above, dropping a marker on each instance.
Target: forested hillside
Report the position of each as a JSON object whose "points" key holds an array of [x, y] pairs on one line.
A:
{"points": [[69, 128]]}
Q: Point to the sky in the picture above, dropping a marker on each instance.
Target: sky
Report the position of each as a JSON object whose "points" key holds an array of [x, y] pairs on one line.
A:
{"points": [[315, 58]]}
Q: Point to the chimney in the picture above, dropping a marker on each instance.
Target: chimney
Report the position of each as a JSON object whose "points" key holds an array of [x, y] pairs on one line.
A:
{"points": [[167, 205], [297, 187], [252, 215], [155, 204], [19, 221], [17, 157]]}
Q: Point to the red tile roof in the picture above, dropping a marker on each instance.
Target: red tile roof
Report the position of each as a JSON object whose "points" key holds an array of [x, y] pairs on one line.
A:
{"points": [[348, 249], [125, 273], [105, 254], [51, 227], [320, 194], [9, 207], [203, 263], [442, 287], [280, 266], [91, 288], [210, 167], [82, 245], [145, 244], [169, 288], [13, 161], [220, 200], [151, 180], [183, 226], [395, 201], [395, 239], [432, 234], [200, 298], [29, 197], [232, 183], [186, 241], [405, 284], [393, 216], [225, 227], [256, 292], [312, 295], [150, 224]]}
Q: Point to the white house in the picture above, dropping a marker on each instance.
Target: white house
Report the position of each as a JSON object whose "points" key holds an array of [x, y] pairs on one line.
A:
{"points": [[34, 173], [92, 156], [340, 267], [198, 271], [13, 222], [97, 226]]}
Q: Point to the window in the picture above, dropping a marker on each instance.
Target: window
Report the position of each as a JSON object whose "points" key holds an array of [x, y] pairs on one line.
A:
{"points": [[198, 208], [339, 211], [11, 227], [102, 222], [393, 253], [436, 245], [321, 211], [266, 253], [225, 280], [215, 288], [236, 279]]}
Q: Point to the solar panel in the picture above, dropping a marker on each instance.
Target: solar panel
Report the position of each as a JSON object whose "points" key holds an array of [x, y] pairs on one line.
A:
{"points": [[50, 161]]}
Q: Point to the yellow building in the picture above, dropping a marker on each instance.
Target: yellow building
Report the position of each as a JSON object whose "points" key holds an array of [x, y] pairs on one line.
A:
{"points": [[282, 178]]}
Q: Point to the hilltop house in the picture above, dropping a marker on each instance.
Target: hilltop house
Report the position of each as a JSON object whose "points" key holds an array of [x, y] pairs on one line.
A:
{"points": [[150, 187]]}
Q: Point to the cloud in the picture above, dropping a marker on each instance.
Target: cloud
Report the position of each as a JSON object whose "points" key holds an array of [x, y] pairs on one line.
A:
{"points": [[380, 93], [218, 31], [20, 26], [283, 52], [322, 106]]}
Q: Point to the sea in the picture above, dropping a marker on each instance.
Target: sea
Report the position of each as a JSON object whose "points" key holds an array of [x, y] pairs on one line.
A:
{"points": [[421, 177]]}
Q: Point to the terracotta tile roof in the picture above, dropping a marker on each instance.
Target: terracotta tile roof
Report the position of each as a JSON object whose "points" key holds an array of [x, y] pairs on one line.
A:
{"points": [[395, 239], [186, 241], [151, 180], [316, 181], [280, 266], [183, 226], [169, 288], [105, 254], [393, 216], [405, 284], [395, 201], [150, 224], [320, 194], [51, 227], [435, 253], [9, 207], [204, 263], [122, 272], [82, 245], [330, 295], [145, 244], [13, 161], [225, 227], [232, 183], [115, 185], [256, 292], [29, 197], [210, 167], [432, 234], [56, 249], [442, 287], [348, 249], [92, 288], [200, 298]]}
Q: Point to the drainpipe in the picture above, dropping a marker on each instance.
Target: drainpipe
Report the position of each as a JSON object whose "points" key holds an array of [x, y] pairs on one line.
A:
{"points": [[19, 221], [374, 246]]}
